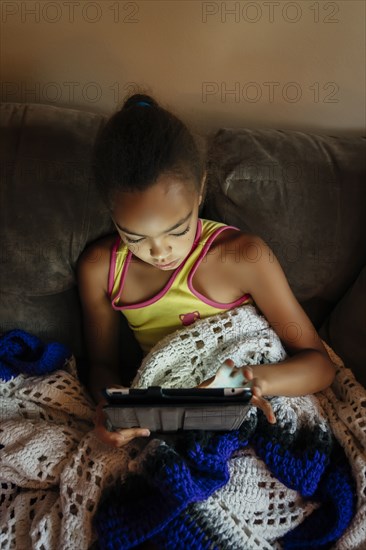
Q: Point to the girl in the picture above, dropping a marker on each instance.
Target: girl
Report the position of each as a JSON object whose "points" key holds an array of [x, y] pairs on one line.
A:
{"points": [[168, 267]]}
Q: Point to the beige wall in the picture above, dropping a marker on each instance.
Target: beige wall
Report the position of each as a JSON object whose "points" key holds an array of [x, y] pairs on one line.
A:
{"points": [[291, 65]]}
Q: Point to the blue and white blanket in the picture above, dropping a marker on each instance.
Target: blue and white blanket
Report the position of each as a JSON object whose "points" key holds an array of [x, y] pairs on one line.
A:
{"points": [[297, 484]]}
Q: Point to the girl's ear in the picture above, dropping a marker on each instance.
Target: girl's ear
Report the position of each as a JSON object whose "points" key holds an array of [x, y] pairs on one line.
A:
{"points": [[202, 190]]}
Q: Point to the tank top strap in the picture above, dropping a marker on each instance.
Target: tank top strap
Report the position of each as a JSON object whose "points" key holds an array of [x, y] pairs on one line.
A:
{"points": [[118, 255], [210, 231]]}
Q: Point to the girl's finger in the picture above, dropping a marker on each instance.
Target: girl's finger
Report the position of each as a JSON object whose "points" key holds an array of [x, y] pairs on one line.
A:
{"points": [[131, 433], [256, 390], [266, 407], [248, 372], [120, 437], [109, 438], [126, 436]]}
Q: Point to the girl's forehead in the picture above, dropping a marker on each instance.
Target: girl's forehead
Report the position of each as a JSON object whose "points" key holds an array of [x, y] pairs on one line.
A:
{"points": [[164, 194], [154, 209]]}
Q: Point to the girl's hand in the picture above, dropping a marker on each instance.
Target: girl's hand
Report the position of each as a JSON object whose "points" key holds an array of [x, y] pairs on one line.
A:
{"points": [[257, 398], [236, 378], [119, 437]]}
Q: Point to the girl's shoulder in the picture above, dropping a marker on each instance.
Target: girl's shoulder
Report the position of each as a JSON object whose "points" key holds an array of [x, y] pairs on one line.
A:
{"points": [[238, 252], [236, 241], [95, 259]]}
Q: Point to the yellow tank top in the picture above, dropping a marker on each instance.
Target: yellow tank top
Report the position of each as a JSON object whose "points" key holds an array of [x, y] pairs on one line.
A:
{"points": [[178, 303]]}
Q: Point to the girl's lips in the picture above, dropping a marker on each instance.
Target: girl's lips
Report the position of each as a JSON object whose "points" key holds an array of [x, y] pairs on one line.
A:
{"points": [[162, 266]]}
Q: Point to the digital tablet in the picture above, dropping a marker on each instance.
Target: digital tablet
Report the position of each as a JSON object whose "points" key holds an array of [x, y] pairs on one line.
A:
{"points": [[168, 410]]}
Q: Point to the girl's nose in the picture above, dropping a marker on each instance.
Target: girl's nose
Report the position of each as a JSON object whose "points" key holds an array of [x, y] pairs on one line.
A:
{"points": [[160, 252]]}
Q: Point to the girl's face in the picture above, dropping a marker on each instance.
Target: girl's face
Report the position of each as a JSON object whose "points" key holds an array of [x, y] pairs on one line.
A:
{"points": [[158, 225]]}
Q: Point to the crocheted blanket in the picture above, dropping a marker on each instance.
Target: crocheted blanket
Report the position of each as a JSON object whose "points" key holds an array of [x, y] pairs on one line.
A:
{"points": [[298, 484]]}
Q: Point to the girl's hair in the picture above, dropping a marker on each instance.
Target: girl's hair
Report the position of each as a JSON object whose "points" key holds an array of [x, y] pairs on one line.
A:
{"points": [[141, 142]]}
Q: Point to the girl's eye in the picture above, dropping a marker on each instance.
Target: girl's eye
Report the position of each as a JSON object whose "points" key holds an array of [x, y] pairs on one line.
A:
{"points": [[131, 241], [180, 234], [173, 235]]}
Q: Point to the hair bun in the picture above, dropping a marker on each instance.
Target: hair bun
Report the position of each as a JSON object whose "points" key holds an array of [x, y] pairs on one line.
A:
{"points": [[142, 100]]}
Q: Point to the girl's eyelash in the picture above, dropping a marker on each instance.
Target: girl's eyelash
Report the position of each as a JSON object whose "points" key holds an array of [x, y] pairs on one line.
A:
{"points": [[131, 241], [180, 234], [173, 235]]}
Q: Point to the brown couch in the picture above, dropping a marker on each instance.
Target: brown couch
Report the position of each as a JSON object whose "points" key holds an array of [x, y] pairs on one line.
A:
{"points": [[304, 194]]}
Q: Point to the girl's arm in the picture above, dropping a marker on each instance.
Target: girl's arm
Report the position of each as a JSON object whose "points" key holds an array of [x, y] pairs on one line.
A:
{"points": [[308, 371], [100, 321], [309, 368], [101, 330]]}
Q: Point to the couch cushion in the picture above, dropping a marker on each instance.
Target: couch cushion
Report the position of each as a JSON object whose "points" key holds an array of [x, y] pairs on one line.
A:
{"points": [[304, 195], [50, 206], [345, 329], [51, 317], [50, 211]]}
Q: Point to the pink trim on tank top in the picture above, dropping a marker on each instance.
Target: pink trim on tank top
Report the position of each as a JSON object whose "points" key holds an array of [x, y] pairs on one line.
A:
{"points": [[167, 286], [112, 265], [203, 298]]}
